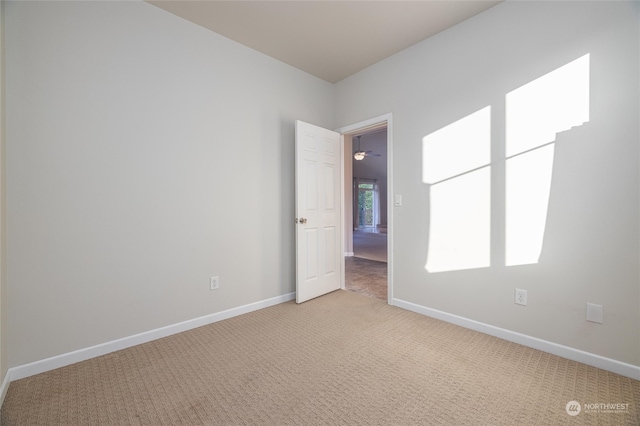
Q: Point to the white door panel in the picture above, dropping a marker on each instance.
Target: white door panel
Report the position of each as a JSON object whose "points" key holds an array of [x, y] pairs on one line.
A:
{"points": [[318, 220]]}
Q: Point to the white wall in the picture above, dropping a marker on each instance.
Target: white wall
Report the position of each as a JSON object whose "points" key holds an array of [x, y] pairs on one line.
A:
{"points": [[3, 206], [591, 246], [145, 154]]}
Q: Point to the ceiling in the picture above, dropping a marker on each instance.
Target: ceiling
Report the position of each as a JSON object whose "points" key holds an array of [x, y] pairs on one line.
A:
{"points": [[329, 39]]}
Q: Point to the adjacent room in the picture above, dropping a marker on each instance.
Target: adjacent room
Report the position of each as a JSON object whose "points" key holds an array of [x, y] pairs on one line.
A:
{"points": [[366, 237], [149, 217]]}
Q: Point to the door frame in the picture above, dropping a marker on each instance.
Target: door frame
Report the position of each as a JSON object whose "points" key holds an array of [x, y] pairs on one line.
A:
{"points": [[385, 120]]}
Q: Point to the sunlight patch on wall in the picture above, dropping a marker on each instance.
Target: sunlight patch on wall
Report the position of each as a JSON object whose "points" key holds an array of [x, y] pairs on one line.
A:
{"points": [[459, 231], [461, 146], [456, 161], [456, 164], [527, 194], [535, 113], [548, 105]]}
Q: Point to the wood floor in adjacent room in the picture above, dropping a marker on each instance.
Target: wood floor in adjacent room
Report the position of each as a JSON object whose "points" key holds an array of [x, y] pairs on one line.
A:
{"points": [[366, 277], [366, 271]]}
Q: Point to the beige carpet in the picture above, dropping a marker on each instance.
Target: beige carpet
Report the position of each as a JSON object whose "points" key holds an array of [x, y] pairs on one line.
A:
{"points": [[342, 359]]}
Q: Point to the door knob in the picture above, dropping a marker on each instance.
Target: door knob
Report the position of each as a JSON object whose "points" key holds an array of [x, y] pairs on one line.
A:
{"points": [[303, 220]]}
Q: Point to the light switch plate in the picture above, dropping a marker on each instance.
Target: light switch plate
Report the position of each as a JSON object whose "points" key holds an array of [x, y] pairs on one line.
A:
{"points": [[398, 200]]}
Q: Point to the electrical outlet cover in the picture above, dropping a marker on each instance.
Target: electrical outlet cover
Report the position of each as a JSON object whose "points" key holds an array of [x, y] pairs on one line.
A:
{"points": [[595, 313], [215, 283]]}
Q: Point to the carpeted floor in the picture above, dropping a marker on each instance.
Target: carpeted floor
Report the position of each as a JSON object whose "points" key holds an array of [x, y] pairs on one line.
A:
{"points": [[368, 244], [341, 359]]}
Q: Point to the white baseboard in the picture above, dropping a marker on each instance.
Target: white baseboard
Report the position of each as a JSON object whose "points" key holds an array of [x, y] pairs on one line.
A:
{"points": [[41, 366], [349, 254], [4, 387], [618, 367]]}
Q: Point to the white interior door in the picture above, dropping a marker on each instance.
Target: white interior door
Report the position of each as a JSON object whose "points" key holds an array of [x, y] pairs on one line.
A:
{"points": [[318, 213]]}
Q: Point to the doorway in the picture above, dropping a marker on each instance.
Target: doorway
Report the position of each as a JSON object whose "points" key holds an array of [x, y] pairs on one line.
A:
{"points": [[367, 208], [366, 204]]}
